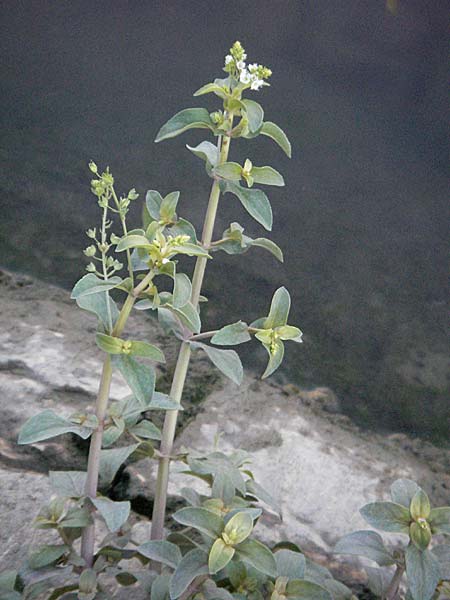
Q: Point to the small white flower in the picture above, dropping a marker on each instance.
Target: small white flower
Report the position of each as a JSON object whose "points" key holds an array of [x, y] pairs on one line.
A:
{"points": [[240, 65], [256, 84], [252, 68], [228, 59], [244, 56], [165, 261], [244, 76]]}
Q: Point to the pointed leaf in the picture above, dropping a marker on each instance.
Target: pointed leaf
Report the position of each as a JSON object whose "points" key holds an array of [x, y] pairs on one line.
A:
{"points": [[193, 564], [182, 290], [287, 332], [69, 484], [147, 350], [276, 354], [290, 564], [420, 505], [202, 519], [212, 88], [219, 556], [440, 520], [132, 241], [306, 590], [207, 152], [161, 551], [227, 361], [109, 343], [236, 333], [423, 572], [279, 309], [153, 201], [403, 490], [230, 170], [277, 135], [255, 114], [48, 424], [96, 303], [387, 516], [255, 203], [267, 176], [257, 555], [189, 316], [46, 555], [238, 528], [365, 543], [91, 284], [147, 430], [140, 378], [114, 513], [169, 206], [111, 460], [270, 246], [163, 402], [189, 118]]}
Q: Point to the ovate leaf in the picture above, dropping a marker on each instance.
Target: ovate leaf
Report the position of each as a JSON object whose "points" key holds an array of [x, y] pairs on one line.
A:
{"points": [[48, 424], [189, 118], [193, 564], [279, 309], [227, 361], [255, 114], [161, 551], [423, 572], [91, 284], [140, 378], [257, 555], [255, 203], [114, 513], [202, 519], [236, 333], [290, 564], [267, 176], [181, 290], [365, 543], [387, 516], [230, 170], [207, 152], [403, 490], [306, 590], [69, 484], [219, 556], [440, 520], [277, 134], [111, 460], [46, 555]]}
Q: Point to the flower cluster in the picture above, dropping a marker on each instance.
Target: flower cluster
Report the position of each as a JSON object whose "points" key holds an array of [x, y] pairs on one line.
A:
{"points": [[253, 75]]}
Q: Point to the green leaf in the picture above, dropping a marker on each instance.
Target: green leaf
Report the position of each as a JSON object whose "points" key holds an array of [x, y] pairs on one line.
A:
{"points": [[48, 424], [183, 227], [109, 343], [255, 203], [236, 333], [212, 88], [160, 588], [403, 490], [163, 402], [8, 581], [338, 590], [230, 170], [365, 543], [193, 564], [111, 460], [420, 505], [147, 350], [91, 284], [442, 553], [378, 581], [277, 135], [46, 555], [182, 290], [189, 118], [219, 556], [267, 176], [387, 516], [287, 332], [257, 555], [132, 241], [306, 590], [190, 250], [207, 152], [147, 430], [316, 573], [276, 354], [255, 114], [238, 528], [114, 513], [440, 520], [153, 201], [189, 316], [76, 518], [270, 246], [227, 361], [69, 484], [169, 206], [161, 551], [202, 519], [290, 564], [257, 491], [96, 303], [420, 534], [279, 309], [423, 572], [140, 378]]}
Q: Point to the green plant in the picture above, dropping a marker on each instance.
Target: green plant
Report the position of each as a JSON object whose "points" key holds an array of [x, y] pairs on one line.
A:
{"points": [[425, 566], [211, 552]]}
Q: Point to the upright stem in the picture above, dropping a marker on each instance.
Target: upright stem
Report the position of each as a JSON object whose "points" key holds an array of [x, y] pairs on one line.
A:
{"points": [[88, 537], [179, 378], [395, 583]]}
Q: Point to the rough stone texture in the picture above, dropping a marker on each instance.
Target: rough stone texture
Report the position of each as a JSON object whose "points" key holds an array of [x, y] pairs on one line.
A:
{"points": [[309, 456]]}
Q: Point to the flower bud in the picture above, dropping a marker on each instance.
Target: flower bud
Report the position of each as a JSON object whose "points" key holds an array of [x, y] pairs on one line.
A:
{"points": [[93, 167], [90, 251]]}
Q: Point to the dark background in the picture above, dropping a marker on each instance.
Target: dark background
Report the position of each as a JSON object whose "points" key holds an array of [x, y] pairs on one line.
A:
{"points": [[362, 220]]}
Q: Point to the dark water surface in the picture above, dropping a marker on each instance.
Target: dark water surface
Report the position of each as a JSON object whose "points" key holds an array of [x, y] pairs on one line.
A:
{"points": [[362, 219]]}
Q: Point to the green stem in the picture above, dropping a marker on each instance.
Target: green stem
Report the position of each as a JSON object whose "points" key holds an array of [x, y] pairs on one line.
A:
{"points": [[392, 590], [176, 391], [125, 232], [91, 485]]}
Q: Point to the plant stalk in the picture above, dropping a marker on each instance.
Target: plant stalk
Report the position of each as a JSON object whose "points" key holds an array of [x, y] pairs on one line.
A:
{"points": [[91, 485], [392, 590], [179, 378]]}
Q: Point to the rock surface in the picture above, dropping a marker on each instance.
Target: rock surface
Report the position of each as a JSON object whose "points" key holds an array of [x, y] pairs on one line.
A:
{"points": [[318, 465]]}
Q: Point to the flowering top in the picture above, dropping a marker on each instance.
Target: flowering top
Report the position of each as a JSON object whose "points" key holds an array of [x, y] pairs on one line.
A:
{"points": [[251, 76]]}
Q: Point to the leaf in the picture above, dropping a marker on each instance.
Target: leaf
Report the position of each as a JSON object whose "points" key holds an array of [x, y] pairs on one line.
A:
{"points": [[91, 284], [207, 152], [290, 564], [190, 249], [189, 118], [316, 573], [183, 227], [236, 333], [76, 518], [212, 88], [114, 513], [440, 520], [422, 570], [160, 588], [277, 135], [276, 354], [8, 581], [267, 176], [287, 332], [279, 309], [147, 430], [169, 206], [109, 343], [258, 492], [257, 555], [132, 241], [442, 553], [338, 590], [306, 590], [201, 519], [255, 203], [46, 555], [378, 580], [111, 460], [182, 290], [163, 402], [255, 114], [96, 303], [146, 350], [193, 564], [69, 484], [420, 505], [387, 516], [403, 490], [227, 361], [270, 246], [153, 201], [48, 424], [140, 378], [365, 543], [161, 551], [212, 592], [238, 528], [189, 316], [219, 556], [230, 170]]}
